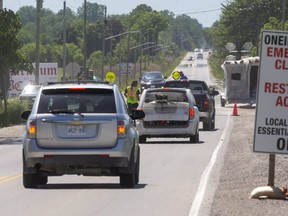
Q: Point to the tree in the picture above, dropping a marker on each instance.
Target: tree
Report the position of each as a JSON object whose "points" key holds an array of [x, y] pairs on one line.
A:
{"points": [[95, 61], [11, 58], [242, 20], [27, 14], [94, 11]]}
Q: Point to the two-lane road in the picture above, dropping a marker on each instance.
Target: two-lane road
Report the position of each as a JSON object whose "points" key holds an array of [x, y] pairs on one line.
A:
{"points": [[173, 173]]}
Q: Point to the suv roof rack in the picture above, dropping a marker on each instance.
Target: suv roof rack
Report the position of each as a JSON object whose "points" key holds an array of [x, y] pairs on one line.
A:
{"points": [[79, 82]]}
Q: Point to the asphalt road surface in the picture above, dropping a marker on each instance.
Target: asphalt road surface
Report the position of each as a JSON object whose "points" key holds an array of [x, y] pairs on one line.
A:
{"points": [[173, 175]]}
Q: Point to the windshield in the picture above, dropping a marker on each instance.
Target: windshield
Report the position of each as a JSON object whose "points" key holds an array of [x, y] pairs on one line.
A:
{"points": [[153, 76], [30, 89]]}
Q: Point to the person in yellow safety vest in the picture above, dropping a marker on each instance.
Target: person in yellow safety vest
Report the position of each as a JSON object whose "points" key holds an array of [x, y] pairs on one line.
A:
{"points": [[132, 93]]}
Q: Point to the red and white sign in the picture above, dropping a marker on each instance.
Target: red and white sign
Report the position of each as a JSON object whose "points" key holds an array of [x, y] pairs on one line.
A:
{"points": [[48, 72], [271, 126]]}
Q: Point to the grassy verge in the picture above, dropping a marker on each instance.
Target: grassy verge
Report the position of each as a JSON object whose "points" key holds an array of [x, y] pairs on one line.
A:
{"points": [[216, 70], [14, 111], [169, 68]]}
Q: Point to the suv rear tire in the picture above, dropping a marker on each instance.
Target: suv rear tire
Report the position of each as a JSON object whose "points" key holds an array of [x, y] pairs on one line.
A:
{"points": [[213, 121], [195, 138], [31, 180], [142, 139], [207, 125], [128, 180], [137, 167]]}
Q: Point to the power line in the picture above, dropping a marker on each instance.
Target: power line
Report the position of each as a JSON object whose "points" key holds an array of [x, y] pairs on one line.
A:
{"points": [[204, 11]]}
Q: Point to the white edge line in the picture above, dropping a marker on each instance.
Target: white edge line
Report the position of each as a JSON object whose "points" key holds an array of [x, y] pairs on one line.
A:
{"points": [[194, 211]]}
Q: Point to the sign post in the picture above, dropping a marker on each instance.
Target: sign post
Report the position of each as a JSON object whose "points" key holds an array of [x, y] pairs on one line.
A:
{"points": [[271, 124]]}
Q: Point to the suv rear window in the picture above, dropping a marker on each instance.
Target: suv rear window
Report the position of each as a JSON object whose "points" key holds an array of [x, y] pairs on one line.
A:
{"points": [[168, 96], [194, 85], [77, 100]]}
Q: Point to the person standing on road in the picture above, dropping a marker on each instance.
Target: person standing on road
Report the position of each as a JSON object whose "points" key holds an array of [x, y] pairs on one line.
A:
{"points": [[132, 93]]}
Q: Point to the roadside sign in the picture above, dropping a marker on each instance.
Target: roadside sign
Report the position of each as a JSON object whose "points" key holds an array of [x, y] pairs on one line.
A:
{"points": [[110, 76], [271, 124], [176, 75], [123, 69]]}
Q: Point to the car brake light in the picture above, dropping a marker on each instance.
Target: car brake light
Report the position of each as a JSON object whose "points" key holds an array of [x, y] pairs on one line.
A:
{"points": [[121, 129], [77, 88], [32, 130], [191, 113], [205, 103]]}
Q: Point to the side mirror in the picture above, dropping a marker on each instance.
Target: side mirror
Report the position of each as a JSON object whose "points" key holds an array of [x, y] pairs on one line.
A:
{"points": [[214, 92], [25, 115], [137, 114]]}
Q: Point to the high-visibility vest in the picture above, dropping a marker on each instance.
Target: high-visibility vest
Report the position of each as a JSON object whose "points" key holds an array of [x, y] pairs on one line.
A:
{"points": [[132, 95]]}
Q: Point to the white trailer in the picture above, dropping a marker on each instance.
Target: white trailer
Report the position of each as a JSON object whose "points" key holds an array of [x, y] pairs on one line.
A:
{"points": [[240, 81]]}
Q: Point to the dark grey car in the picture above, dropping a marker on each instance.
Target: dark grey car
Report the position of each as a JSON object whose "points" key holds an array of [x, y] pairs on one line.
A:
{"points": [[81, 129], [152, 79]]}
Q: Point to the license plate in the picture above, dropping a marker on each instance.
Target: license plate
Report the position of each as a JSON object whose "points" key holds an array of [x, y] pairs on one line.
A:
{"points": [[76, 130], [152, 86]]}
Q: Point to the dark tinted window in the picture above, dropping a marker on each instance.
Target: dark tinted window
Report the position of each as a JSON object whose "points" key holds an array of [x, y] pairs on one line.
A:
{"points": [[236, 76], [166, 96], [177, 84], [193, 85], [77, 100], [153, 76]]}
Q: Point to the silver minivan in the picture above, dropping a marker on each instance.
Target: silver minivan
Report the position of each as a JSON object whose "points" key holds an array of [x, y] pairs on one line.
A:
{"points": [[83, 129]]}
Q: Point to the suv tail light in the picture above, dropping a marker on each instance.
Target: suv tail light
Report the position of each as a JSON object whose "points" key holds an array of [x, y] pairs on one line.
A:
{"points": [[191, 113], [121, 129], [32, 130]]}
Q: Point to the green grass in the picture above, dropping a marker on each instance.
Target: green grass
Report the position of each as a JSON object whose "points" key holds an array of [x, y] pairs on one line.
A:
{"points": [[216, 70], [14, 111]]}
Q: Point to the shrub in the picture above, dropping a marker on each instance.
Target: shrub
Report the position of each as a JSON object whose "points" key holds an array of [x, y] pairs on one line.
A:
{"points": [[14, 109]]}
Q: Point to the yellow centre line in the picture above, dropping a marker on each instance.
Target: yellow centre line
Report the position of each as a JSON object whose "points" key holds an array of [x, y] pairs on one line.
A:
{"points": [[9, 178]]}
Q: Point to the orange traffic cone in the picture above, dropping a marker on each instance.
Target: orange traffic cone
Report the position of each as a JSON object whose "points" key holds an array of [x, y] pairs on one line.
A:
{"points": [[235, 112]]}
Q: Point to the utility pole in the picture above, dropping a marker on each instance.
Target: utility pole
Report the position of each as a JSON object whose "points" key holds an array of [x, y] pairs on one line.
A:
{"points": [[64, 41], [39, 6], [128, 57], [85, 37], [103, 44], [1, 4], [283, 14]]}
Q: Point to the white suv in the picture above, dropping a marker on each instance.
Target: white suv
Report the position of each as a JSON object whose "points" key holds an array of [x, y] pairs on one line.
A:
{"points": [[169, 112], [83, 129]]}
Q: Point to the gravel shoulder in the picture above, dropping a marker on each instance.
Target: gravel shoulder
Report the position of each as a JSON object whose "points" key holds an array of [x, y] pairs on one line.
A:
{"points": [[242, 170], [12, 134]]}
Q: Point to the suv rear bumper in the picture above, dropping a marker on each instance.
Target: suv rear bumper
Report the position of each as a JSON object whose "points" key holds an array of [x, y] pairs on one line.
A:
{"points": [[183, 131], [76, 161]]}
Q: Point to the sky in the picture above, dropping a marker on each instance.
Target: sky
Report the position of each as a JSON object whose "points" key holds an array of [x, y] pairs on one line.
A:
{"points": [[205, 11]]}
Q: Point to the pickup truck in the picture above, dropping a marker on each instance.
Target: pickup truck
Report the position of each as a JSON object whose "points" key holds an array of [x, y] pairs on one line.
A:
{"points": [[204, 97]]}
